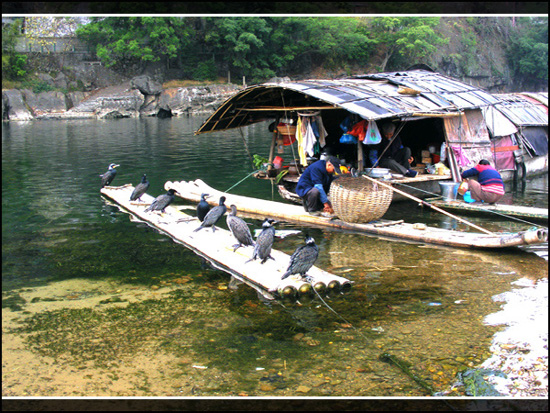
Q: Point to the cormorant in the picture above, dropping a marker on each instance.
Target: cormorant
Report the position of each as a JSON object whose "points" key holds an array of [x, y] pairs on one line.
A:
{"points": [[108, 176], [162, 201], [213, 216], [264, 242], [302, 259], [140, 189], [239, 229], [202, 207]]}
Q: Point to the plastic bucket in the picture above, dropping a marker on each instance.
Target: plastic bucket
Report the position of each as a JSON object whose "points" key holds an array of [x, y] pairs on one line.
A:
{"points": [[449, 190]]}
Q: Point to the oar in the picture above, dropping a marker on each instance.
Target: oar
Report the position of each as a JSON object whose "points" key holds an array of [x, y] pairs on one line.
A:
{"points": [[428, 204]]}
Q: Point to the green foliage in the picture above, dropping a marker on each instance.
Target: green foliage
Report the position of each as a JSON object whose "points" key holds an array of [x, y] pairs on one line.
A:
{"points": [[528, 48], [405, 40], [13, 64], [135, 39], [262, 47], [205, 70]]}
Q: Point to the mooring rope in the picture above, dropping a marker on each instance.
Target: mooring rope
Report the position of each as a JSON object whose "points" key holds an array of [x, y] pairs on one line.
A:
{"points": [[247, 176], [334, 311]]}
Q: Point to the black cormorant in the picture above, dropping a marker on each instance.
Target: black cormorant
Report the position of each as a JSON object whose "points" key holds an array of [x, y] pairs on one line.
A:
{"points": [[108, 176], [140, 189], [213, 216], [239, 229], [264, 242], [202, 207], [162, 201], [303, 259]]}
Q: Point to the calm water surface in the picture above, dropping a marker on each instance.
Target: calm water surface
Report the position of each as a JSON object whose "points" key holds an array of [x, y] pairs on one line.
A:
{"points": [[105, 306]]}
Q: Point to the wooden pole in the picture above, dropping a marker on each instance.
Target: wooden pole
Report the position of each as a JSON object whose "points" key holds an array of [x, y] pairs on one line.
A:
{"points": [[428, 204]]}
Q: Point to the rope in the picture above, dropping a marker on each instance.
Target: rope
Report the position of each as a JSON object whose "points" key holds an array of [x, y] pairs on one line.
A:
{"points": [[251, 173], [331, 309], [486, 210]]}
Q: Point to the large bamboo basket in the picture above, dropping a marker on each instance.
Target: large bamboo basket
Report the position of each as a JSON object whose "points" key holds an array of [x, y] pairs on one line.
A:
{"points": [[358, 200]]}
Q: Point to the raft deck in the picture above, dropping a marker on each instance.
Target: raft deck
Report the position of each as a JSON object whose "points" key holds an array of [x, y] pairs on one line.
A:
{"points": [[192, 191], [217, 248], [519, 211]]}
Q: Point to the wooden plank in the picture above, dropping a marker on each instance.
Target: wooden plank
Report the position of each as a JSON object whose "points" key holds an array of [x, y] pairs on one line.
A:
{"points": [[512, 210], [192, 190], [217, 247]]}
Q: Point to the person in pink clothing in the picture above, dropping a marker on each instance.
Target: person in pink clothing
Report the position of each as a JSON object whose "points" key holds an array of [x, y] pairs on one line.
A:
{"points": [[488, 187]]}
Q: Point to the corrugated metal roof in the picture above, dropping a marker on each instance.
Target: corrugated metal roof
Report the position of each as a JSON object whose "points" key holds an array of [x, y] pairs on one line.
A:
{"points": [[373, 97], [524, 109]]}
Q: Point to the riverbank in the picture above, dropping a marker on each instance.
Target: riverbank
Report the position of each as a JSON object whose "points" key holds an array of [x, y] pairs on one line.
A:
{"points": [[140, 96], [520, 351]]}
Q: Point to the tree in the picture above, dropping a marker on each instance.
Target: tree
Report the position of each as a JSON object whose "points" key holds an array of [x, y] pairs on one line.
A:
{"points": [[408, 39], [122, 40], [43, 31], [241, 43], [528, 49], [13, 63]]}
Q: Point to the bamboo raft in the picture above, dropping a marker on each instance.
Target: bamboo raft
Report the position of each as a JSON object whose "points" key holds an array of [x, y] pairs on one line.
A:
{"points": [[400, 230], [539, 214], [217, 248]]}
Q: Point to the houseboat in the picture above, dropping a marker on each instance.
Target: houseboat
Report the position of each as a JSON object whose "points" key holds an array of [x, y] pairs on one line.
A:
{"points": [[447, 124]]}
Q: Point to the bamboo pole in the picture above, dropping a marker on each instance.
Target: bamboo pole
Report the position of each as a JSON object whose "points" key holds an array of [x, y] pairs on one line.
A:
{"points": [[431, 206]]}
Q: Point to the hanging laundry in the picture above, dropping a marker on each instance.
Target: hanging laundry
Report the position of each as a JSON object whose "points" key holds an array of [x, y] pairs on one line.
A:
{"points": [[300, 132], [310, 134]]}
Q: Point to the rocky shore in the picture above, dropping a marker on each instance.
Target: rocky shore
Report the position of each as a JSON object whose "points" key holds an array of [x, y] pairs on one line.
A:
{"points": [[520, 351], [141, 96]]}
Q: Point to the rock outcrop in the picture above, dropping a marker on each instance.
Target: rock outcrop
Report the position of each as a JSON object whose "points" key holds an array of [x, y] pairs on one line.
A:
{"points": [[138, 97]]}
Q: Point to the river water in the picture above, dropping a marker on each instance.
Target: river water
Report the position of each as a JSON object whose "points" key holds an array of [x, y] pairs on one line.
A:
{"points": [[95, 304]]}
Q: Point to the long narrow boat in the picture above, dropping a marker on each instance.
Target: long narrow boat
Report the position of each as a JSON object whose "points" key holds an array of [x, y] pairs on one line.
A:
{"points": [[519, 211], [192, 191], [217, 248]]}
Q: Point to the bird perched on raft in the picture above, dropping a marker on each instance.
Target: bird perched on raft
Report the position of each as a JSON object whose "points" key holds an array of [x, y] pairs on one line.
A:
{"points": [[162, 201], [264, 242], [302, 259], [202, 208], [239, 229], [140, 189], [213, 216], [108, 176]]}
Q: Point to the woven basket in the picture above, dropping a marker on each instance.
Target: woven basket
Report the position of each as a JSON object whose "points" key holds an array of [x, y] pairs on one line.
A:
{"points": [[358, 200], [286, 129]]}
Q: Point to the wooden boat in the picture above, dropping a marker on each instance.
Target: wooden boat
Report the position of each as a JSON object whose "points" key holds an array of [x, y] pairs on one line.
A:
{"points": [[416, 232], [526, 212], [217, 248]]}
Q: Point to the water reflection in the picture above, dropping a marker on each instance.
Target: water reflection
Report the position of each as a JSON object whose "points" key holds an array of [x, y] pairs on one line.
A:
{"points": [[75, 267]]}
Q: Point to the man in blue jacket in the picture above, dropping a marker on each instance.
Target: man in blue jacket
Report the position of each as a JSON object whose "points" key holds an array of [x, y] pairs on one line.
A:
{"points": [[314, 185]]}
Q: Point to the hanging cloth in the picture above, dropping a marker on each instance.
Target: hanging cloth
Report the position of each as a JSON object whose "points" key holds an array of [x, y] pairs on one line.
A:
{"points": [[300, 139]]}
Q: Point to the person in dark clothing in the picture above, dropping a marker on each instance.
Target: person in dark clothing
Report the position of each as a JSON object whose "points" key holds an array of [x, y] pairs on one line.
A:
{"points": [[314, 185], [488, 187], [396, 157]]}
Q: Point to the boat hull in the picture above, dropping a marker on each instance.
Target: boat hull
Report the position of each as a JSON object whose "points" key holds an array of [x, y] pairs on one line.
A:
{"points": [[397, 230]]}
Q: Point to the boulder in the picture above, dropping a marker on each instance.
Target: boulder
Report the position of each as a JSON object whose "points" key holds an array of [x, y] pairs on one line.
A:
{"points": [[146, 85], [45, 104], [14, 107], [110, 102]]}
